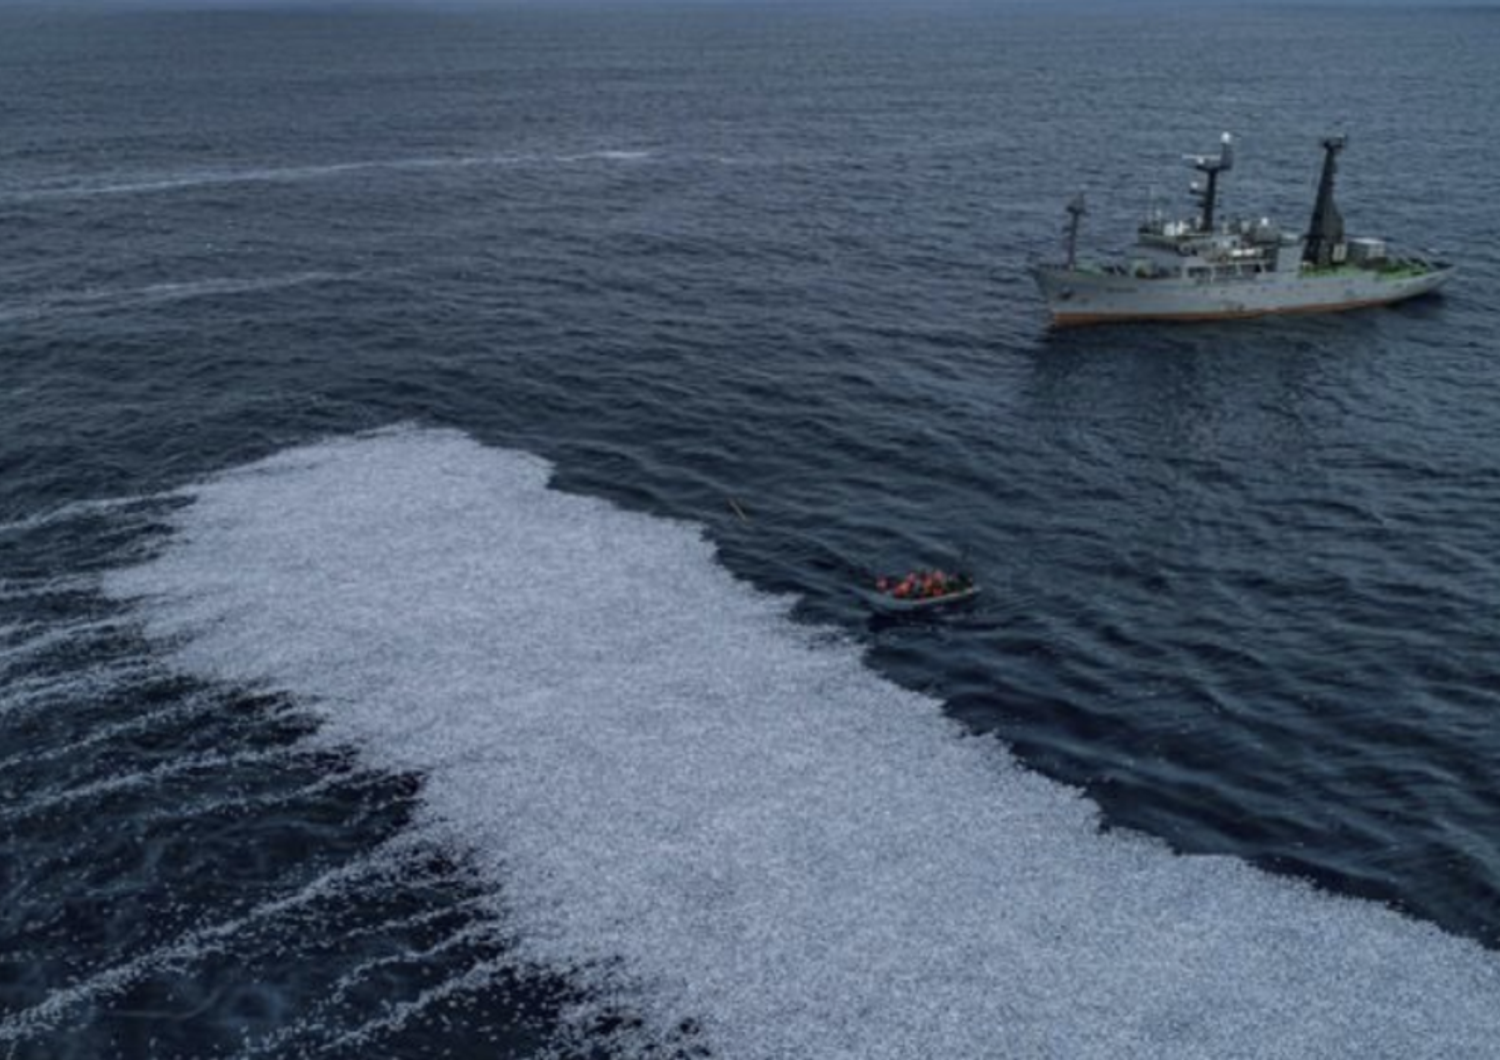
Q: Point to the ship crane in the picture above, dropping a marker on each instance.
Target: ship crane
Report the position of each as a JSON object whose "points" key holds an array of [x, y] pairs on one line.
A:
{"points": [[1325, 232]]}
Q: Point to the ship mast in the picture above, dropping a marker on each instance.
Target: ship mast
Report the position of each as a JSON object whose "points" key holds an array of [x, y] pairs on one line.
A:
{"points": [[1211, 167], [1076, 210], [1326, 230]]}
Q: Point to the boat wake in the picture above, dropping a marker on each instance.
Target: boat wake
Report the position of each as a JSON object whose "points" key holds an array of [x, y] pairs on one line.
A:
{"points": [[703, 813], [119, 298], [155, 184], [204, 941]]}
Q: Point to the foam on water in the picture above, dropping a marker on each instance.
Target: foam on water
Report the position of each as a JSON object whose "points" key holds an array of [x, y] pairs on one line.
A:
{"points": [[61, 515], [169, 182], [44, 692], [154, 184], [104, 734], [386, 863], [323, 1020], [399, 1014], [34, 641], [49, 801], [707, 813], [113, 299]]}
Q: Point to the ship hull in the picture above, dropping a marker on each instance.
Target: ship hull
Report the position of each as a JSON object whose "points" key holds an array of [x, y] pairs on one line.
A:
{"points": [[1082, 296]]}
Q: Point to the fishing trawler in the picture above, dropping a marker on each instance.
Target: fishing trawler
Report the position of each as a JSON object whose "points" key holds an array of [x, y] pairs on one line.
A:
{"points": [[1207, 269]]}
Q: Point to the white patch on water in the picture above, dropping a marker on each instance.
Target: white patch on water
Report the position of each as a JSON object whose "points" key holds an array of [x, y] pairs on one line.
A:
{"points": [[20, 644], [58, 516], [197, 178], [326, 1021], [473, 980], [108, 299], [105, 734], [53, 800], [51, 691], [705, 811], [607, 156], [387, 864]]}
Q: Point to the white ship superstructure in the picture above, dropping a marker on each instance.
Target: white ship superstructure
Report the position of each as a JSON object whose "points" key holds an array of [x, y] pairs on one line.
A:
{"points": [[1205, 269]]}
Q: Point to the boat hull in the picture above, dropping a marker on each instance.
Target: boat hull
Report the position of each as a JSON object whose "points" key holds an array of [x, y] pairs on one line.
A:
{"points": [[887, 604], [1085, 296]]}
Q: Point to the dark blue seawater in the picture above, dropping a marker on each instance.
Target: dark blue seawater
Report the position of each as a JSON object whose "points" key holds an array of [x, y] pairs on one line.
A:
{"points": [[333, 754]]}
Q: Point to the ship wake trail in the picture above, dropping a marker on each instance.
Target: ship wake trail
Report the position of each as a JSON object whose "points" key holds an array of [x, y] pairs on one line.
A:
{"points": [[117, 299], [166, 183], [701, 813], [168, 861], [267, 920]]}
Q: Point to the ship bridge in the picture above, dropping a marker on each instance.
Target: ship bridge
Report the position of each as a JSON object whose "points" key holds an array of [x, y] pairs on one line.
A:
{"points": [[1237, 247]]}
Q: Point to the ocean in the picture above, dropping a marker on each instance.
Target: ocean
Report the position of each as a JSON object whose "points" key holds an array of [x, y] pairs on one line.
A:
{"points": [[442, 451]]}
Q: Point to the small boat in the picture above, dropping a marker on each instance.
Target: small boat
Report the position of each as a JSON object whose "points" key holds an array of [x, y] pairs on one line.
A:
{"points": [[921, 590]]}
